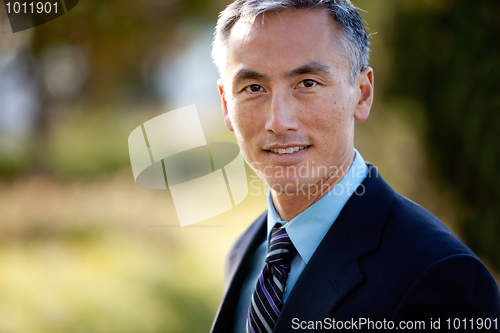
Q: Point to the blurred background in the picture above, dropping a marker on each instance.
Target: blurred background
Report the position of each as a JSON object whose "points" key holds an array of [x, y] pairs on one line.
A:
{"points": [[83, 249]]}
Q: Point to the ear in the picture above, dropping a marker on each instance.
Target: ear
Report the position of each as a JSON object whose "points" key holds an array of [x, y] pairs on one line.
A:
{"points": [[364, 82], [225, 112]]}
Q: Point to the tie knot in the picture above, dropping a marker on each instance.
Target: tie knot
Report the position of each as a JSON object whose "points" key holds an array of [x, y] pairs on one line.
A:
{"points": [[281, 250]]}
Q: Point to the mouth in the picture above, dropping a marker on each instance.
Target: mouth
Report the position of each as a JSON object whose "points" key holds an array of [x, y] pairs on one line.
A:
{"points": [[288, 150]]}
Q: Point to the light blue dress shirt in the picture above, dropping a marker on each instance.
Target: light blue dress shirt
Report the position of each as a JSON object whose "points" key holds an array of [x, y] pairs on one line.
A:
{"points": [[306, 232]]}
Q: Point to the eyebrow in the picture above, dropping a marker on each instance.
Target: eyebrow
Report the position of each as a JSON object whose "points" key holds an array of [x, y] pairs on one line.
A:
{"points": [[246, 74], [313, 67]]}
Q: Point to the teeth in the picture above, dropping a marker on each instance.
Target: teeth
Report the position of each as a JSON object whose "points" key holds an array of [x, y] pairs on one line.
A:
{"points": [[287, 150]]}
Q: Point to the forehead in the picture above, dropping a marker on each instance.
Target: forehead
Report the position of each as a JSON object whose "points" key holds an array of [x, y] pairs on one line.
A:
{"points": [[281, 41]]}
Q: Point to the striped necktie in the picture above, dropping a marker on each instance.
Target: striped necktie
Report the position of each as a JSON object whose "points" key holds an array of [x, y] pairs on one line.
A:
{"points": [[267, 297]]}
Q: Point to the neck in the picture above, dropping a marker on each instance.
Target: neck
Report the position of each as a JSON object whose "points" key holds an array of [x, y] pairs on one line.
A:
{"points": [[289, 206]]}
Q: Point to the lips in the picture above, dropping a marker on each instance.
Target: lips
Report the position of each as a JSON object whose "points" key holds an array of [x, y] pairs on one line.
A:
{"points": [[288, 150], [286, 154]]}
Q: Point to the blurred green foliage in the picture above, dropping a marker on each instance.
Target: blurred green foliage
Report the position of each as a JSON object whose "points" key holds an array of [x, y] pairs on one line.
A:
{"points": [[117, 36], [447, 57], [89, 144]]}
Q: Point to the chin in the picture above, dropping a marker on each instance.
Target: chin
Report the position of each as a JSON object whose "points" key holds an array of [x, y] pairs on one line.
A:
{"points": [[292, 186]]}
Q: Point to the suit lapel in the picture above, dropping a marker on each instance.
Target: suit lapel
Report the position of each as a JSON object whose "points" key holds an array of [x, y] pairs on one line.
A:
{"points": [[328, 277], [333, 270], [237, 263]]}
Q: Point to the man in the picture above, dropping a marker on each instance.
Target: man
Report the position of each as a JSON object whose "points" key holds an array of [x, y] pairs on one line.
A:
{"points": [[337, 247]]}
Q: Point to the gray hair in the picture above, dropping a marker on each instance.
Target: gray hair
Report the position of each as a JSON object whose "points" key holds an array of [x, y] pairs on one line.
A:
{"points": [[355, 40]]}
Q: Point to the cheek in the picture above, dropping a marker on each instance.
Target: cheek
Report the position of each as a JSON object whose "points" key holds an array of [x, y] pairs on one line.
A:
{"points": [[244, 120], [327, 119], [333, 125]]}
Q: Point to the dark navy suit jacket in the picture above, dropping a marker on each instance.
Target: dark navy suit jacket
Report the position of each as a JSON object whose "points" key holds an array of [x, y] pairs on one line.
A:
{"points": [[384, 258]]}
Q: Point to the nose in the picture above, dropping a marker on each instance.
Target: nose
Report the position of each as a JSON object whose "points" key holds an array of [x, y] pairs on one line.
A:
{"points": [[281, 115]]}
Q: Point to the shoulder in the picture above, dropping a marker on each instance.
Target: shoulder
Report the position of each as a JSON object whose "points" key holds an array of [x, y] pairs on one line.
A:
{"points": [[421, 230], [414, 239], [446, 279], [423, 269], [446, 276]]}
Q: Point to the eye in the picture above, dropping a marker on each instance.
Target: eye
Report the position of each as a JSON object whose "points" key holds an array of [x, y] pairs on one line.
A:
{"points": [[254, 88], [307, 83]]}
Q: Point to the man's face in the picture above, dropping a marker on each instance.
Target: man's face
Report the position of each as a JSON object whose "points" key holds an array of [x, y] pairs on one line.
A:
{"points": [[287, 95]]}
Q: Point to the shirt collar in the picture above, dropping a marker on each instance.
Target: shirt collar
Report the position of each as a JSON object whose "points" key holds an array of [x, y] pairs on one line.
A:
{"points": [[307, 230]]}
